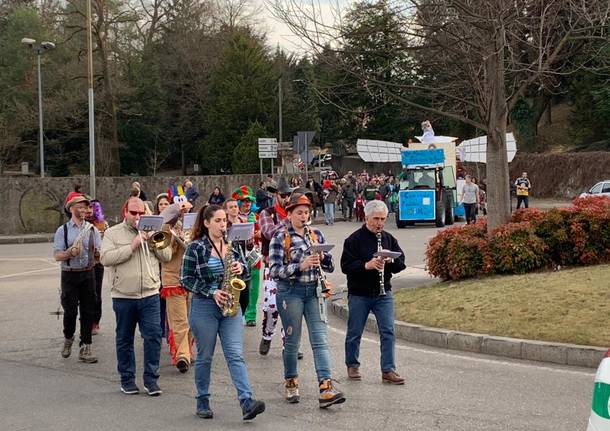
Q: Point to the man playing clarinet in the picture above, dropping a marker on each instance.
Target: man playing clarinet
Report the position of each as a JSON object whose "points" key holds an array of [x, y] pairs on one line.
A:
{"points": [[369, 289]]}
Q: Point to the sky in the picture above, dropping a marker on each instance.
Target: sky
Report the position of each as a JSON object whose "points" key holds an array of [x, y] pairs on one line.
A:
{"points": [[278, 33]]}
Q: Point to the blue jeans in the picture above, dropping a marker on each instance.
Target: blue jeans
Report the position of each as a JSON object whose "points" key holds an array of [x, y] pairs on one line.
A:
{"points": [[329, 213], [145, 313], [383, 309], [207, 322], [295, 301]]}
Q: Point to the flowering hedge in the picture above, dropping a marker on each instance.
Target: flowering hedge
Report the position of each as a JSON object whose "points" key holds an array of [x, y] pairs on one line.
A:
{"points": [[534, 239]]}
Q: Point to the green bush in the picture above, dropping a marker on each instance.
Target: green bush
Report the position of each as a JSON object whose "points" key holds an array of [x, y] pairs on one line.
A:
{"points": [[579, 235], [516, 249]]}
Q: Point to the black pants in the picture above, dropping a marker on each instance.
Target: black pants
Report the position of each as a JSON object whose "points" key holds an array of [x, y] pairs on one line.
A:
{"points": [[348, 208], [524, 199], [471, 213], [244, 297], [99, 277], [78, 291]]}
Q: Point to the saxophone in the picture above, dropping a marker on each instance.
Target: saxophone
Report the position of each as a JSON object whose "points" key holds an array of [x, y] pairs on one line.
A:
{"points": [[232, 285]]}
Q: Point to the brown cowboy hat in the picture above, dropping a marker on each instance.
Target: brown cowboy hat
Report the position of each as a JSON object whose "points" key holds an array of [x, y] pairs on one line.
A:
{"points": [[298, 199]]}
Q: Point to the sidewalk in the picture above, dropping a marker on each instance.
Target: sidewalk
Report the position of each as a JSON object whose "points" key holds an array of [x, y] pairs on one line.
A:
{"points": [[29, 238]]}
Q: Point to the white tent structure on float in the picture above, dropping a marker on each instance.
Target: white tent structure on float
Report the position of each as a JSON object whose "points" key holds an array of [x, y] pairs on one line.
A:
{"points": [[475, 150]]}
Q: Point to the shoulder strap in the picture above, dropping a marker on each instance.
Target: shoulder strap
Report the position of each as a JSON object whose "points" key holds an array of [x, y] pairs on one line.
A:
{"points": [[66, 241], [287, 242]]}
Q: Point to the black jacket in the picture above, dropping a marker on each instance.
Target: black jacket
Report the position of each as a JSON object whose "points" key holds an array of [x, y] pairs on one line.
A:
{"points": [[358, 249]]}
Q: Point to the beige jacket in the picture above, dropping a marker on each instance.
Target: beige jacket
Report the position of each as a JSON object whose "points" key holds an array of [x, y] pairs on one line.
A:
{"points": [[127, 271]]}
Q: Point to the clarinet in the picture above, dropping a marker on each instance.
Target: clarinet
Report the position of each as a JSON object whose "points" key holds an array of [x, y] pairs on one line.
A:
{"points": [[321, 288], [381, 282]]}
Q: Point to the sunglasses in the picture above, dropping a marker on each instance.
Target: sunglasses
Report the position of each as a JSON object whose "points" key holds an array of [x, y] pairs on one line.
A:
{"points": [[284, 195], [136, 213]]}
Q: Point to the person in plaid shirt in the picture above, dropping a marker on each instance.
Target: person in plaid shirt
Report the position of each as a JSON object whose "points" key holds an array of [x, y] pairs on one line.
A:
{"points": [[202, 273], [296, 272]]}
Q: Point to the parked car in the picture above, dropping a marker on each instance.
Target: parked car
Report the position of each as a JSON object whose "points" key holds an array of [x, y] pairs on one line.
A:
{"points": [[601, 188], [600, 410]]}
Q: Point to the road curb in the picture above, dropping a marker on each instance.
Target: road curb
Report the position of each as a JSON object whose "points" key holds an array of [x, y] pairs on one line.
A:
{"points": [[27, 239], [516, 348]]}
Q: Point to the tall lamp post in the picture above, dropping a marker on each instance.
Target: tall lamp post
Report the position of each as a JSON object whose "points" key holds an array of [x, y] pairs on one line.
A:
{"points": [[90, 99], [39, 48]]}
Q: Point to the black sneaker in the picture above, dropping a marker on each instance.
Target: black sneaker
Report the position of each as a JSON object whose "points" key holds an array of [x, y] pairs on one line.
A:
{"points": [[153, 389], [182, 365], [203, 409], [251, 323], [300, 356], [130, 388], [251, 408], [264, 347]]}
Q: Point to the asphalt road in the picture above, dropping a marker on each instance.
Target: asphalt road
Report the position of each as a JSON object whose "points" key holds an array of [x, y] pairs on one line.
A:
{"points": [[445, 390]]}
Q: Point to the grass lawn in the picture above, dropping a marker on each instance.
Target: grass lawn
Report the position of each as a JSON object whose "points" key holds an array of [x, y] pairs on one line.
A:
{"points": [[570, 306]]}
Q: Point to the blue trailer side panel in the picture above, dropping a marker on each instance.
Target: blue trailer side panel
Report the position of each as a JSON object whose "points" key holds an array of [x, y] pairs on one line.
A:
{"points": [[417, 205]]}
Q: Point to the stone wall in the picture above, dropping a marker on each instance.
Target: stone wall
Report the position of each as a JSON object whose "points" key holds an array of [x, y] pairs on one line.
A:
{"points": [[32, 205]]}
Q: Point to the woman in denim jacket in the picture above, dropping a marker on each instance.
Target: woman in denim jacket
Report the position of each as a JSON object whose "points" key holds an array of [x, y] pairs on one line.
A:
{"points": [[202, 273]]}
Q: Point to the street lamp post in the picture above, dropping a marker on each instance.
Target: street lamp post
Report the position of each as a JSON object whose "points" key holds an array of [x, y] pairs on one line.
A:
{"points": [[39, 49], [91, 103]]}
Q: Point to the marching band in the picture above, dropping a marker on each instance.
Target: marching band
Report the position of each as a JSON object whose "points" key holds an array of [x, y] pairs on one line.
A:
{"points": [[208, 285]]}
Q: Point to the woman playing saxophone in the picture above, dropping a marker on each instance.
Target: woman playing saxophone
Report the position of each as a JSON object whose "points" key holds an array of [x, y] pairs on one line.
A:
{"points": [[203, 273]]}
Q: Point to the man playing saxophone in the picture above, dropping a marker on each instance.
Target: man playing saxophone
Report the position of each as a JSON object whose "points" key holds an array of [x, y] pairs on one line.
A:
{"points": [[75, 246], [369, 290], [208, 269]]}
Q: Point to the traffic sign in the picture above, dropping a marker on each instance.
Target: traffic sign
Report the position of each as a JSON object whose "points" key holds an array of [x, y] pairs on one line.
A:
{"points": [[267, 155], [267, 148]]}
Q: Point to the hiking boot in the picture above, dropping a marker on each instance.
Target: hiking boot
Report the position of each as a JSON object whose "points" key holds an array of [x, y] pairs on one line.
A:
{"points": [[183, 365], [353, 373], [329, 395], [85, 355], [292, 390], [130, 388], [152, 389], [392, 377], [203, 409], [67, 350], [251, 408], [264, 347]]}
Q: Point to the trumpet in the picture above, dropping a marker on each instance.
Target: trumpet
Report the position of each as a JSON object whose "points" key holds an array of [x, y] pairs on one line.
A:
{"points": [[156, 241]]}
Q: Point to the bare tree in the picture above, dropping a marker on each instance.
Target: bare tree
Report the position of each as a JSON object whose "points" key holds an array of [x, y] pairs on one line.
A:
{"points": [[236, 13], [475, 60]]}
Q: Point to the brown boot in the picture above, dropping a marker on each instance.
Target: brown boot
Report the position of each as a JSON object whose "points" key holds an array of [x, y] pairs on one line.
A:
{"points": [[392, 377], [353, 373], [292, 390]]}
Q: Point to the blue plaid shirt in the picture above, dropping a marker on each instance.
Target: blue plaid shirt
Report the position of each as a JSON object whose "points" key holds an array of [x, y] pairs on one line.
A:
{"points": [[284, 267], [196, 275]]}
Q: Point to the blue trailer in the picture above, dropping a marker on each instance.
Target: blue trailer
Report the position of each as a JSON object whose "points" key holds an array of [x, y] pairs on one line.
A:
{"points": [[428, 192]]}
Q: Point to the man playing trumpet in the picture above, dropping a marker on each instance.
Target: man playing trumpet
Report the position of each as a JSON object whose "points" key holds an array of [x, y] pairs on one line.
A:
{"points": [[133, 275], [75, 246]]}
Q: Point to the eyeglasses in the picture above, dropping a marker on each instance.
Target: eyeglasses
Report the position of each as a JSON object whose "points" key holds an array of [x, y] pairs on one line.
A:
{"points": [[136, 213], [284, 195]]}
